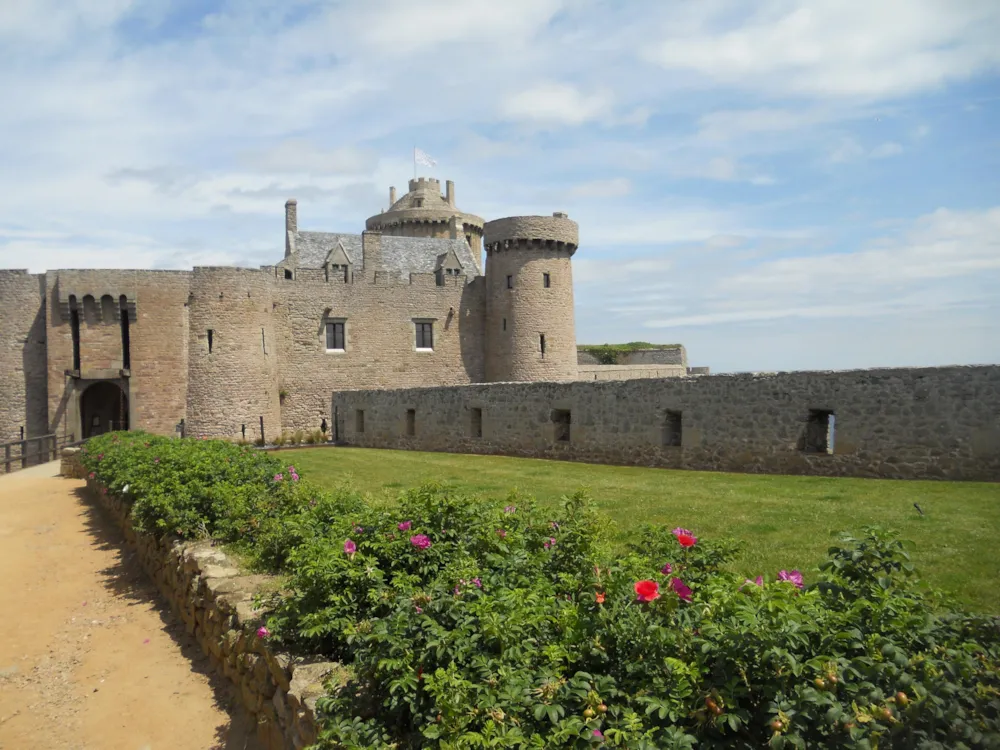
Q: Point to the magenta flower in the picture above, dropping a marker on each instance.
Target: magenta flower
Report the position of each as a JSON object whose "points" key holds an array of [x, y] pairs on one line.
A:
{"points": [[598, 735], [667, 569], [291, 469], [555, 525], [100, 456], [680, 589], [420, 541], [295, 477], [350, 547], [793, 577], [510, 509], [678, 531], [477, 583], [419, 609], [263, 632], [404, 526], [156, 460], [550, 544], [278, 477], [502, 533], [359, 529], [758, 582], [92, 475]]}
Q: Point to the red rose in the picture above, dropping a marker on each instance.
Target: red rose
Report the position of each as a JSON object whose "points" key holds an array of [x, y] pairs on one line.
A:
{"points": [[686, 540], [647, 591]]}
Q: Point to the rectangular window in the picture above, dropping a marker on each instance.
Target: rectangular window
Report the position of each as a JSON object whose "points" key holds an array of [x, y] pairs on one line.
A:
{"points": [[541, 343], [476, 422], [126, 343], [561, 419], [425, 335], [359, 420], [505, 324], [74, 324], [288, 273], [411, 422], [546, 280], [819, 435], [335, 336], [510, 282], [211, 339], [672, 429]]}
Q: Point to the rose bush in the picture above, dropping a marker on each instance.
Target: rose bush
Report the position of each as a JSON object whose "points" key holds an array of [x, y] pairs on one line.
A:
{"points": [[548, 636]]}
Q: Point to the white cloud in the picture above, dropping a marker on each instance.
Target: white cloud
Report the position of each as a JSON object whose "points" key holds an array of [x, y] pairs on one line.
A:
{"points": [[885, 150], [557, 104], [833, 47], [613, 188]]}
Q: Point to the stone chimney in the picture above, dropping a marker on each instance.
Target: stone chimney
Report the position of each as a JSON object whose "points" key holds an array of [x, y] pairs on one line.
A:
{"points": [[392, 197], [371, 251], [291, 223], [450, 194]]}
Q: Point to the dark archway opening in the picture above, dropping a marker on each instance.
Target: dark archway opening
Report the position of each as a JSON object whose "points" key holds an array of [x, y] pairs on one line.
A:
{"points": [[103, 408]]}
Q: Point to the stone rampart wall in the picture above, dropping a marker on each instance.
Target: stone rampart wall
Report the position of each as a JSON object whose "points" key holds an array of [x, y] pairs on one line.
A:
{"points": [[895, 423], [214, 599], [628, 372]]}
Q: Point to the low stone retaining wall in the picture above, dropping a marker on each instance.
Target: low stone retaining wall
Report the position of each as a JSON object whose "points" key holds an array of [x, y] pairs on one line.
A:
{"points": [[214, 599]]}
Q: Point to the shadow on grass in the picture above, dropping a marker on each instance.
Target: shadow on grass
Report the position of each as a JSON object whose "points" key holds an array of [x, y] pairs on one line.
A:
{"points": [[128, 581]]}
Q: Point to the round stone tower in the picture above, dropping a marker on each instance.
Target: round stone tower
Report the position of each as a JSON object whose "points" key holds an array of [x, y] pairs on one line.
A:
{"points": [[529, 298], [424, 212]]}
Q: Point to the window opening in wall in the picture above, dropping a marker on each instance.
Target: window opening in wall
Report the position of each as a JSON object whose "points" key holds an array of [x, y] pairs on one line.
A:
{"points": [[263, 341], [541, 343], [505, 324], [359, 420], [411, 422], [126, 353], [468, 240], [672, 428], [546, 280], [288, 273], [819, 436], [335, 336], [425, 335], [510, 282], [561, 419], [211, 337], [74, 324], [476, 422]]}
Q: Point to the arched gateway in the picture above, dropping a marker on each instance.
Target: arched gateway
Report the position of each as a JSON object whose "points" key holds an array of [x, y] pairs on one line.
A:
{"points": [[103, 408]]}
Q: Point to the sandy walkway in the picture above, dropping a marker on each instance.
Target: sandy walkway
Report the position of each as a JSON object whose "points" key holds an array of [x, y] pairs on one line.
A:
{"points": [[89, 658]]}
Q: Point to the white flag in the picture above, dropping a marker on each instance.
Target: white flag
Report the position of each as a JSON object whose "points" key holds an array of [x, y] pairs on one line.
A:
{"points": [[421, 157]]}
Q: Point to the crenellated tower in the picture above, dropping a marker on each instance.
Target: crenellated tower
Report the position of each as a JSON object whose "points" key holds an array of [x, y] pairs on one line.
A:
{"points": [[424, 212], [530, 333]]}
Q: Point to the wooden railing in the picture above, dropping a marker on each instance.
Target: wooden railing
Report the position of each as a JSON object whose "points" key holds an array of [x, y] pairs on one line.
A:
{"points": [[32, 451]]}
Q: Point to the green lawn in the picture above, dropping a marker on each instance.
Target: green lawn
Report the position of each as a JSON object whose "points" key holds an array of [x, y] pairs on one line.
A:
{"points": [[784, 521]]}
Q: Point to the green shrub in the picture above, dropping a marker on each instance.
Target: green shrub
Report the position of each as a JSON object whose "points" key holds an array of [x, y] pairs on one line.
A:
{"points": [[470, 623]]}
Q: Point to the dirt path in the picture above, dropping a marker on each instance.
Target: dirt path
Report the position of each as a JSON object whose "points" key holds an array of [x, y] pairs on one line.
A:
{"points": [[89, 657]]}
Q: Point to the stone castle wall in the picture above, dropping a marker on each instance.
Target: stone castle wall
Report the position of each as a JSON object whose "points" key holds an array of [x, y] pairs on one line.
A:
{"points": [[157, 386], [23, 380], [629, 372], [380, 338], [897, 423]]}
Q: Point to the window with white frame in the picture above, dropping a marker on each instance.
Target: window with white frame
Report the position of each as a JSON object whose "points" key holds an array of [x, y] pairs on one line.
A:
{"points": [[425, 334]]}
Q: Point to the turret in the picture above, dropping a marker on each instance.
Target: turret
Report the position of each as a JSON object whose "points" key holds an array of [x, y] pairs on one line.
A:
{"points": [[424, 212], [530, 334]]}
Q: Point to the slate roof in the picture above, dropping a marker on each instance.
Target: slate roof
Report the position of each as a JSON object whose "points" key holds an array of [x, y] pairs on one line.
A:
{"points": [[403, 254]]}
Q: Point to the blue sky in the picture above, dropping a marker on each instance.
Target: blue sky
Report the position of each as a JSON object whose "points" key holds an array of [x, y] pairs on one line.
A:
{"points": [[777, 185]]}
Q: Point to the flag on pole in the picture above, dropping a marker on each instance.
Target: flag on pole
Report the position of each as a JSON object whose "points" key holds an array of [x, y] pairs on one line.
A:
{"points": [[421, 157]]}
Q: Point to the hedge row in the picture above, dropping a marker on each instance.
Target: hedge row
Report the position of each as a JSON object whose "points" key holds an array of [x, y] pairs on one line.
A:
{"points": [[472, 623]]}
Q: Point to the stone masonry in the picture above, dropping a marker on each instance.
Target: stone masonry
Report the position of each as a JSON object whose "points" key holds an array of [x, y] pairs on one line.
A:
{"points": [[215, 601], [939, 422]]}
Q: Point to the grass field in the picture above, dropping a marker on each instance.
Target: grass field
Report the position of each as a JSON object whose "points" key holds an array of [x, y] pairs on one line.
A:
{"points": [[783, 521]]}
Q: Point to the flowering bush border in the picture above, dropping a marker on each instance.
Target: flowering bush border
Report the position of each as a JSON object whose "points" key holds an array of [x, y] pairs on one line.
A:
{"points": [[471, 623]]}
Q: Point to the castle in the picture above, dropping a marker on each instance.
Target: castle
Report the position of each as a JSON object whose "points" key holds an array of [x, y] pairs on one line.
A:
{"points": [[225, 351]]}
